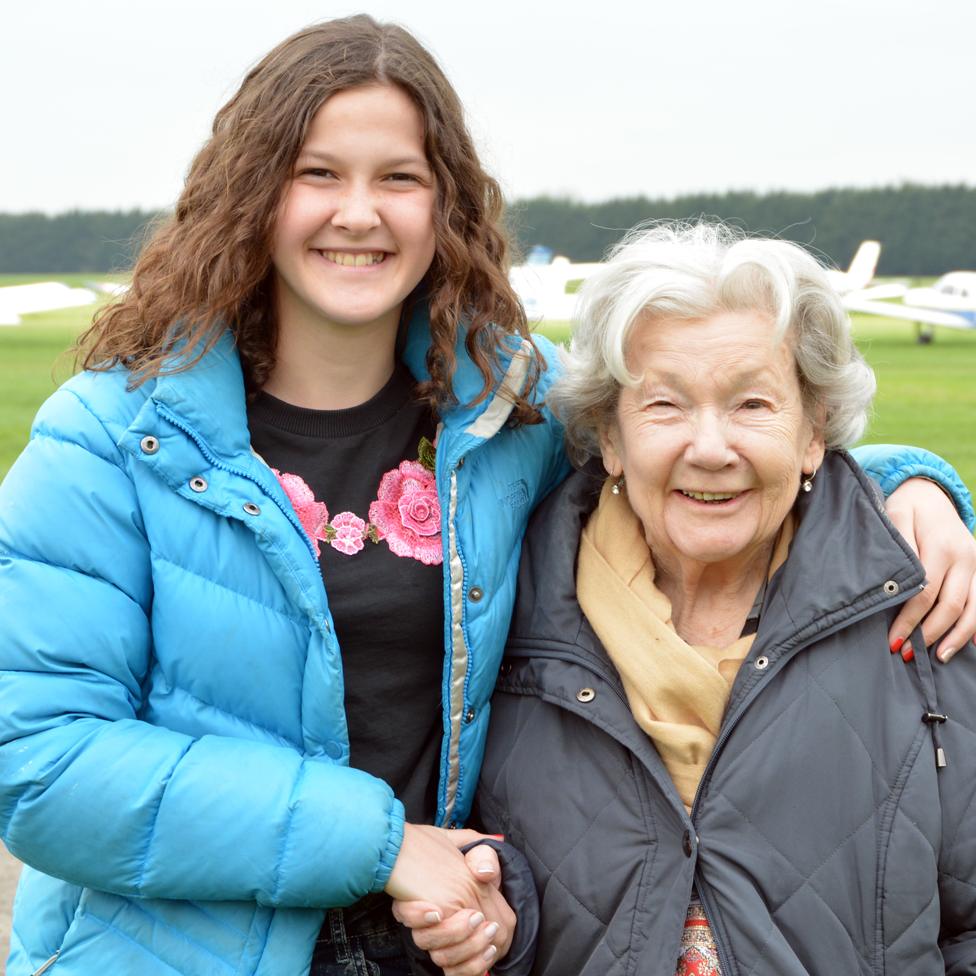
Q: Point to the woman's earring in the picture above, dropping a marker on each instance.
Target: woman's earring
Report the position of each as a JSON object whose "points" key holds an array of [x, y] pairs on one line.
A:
{"points": [[807, 483], [617, 486]]}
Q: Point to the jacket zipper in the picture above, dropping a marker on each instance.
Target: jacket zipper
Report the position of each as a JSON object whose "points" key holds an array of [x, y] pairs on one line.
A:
{"points": [[703, 894], [216, 462], [453, 779], [45, 966]]}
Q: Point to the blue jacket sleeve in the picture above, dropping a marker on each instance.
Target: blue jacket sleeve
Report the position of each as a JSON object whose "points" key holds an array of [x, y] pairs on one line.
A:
{"points": [[892, 464], [94, 795]]}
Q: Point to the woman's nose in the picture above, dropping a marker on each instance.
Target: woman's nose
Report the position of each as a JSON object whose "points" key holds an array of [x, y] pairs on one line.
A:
{"points": [[710, 446], [357, 210]]}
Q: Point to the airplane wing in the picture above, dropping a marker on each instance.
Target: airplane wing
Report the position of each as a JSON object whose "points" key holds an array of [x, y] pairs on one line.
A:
{"points": [[42, 296], [911, 313], [890, 289]]}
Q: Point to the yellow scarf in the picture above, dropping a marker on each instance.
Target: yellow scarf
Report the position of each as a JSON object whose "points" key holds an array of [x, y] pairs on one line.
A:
{"points": [[677, 691]]}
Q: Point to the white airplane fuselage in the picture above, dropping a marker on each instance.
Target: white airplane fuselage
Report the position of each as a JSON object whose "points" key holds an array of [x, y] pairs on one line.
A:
{"points": [[954, 293]]}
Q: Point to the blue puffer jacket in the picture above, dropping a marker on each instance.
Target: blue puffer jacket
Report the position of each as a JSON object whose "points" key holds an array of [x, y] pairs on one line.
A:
{"points": [[172, 737]]}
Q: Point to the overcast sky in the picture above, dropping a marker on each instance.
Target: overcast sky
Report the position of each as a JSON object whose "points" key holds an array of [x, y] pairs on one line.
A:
{"points": [[106, 101]]}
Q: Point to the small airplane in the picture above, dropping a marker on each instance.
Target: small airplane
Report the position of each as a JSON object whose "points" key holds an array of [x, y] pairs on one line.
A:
{"points": [[547, 285], [48, 296], [854, 284], [950, 302]]}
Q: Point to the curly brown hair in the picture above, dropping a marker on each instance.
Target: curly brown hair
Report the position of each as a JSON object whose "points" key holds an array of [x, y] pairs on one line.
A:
{"points": [[208, 266]]}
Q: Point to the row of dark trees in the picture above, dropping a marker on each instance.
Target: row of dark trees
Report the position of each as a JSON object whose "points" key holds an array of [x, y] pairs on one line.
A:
{"points": [[81, 240], [924, 230]]}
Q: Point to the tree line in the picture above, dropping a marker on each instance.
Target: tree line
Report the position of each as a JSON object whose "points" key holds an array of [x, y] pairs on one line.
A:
{"points": [[924, 230], [81, 240]]}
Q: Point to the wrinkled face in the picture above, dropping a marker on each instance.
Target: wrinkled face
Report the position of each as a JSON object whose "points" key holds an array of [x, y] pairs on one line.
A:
{"points": [[712, 443], [355, 230]]}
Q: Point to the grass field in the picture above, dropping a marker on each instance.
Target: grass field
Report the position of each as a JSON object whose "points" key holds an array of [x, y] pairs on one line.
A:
{"points": [[926, 394]]}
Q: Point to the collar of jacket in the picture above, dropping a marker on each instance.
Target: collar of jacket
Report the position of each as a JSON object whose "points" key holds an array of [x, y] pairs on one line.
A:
{"points": [[846, 561], [209, 398], [479, 421]]}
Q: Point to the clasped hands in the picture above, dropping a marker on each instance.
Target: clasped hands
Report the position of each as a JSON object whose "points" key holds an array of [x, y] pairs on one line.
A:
{"points": [[451, 901]]}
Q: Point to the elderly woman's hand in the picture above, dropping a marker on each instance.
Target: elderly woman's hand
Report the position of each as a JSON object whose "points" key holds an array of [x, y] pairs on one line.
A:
{"points": [[462, 939], [925, 516], [466, 944]]}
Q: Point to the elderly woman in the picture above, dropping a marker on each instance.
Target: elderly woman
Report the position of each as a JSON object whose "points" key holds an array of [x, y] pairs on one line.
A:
{"points": [[699, 739]]}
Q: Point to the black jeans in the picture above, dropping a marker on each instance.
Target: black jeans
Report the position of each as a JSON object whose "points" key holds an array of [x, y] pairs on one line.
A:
{"points": [[361, 940]]}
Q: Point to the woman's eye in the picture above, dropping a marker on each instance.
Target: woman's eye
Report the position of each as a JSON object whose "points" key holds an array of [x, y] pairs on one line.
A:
{"points": [[754, 404]]}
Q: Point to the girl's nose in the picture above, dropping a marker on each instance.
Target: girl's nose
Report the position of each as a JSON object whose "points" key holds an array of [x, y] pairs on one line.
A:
{"points": [[357, 211]]}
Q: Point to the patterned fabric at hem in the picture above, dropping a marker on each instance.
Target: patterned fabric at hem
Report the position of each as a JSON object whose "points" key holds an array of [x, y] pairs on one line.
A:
{"points": [[699, 954]]}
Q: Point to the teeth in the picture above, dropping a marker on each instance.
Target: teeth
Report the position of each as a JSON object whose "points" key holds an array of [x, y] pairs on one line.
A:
{"points": [[348, 260], [708, 496]]}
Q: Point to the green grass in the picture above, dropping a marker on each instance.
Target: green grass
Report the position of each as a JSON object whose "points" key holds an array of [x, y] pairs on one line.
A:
{"points": [[926, 394], [33, 363]]}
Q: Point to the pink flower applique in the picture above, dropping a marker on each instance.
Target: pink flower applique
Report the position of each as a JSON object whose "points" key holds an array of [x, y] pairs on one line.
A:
{"points": [[349, 531], [313, 515], [407, 513]]}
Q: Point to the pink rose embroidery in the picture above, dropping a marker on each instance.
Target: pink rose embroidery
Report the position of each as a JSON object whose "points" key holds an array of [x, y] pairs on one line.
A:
{"points": [[350, 530], [313, 515], [407, 513]]}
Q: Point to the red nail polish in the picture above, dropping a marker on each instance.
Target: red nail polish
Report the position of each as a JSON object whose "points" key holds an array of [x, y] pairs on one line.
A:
{"points": [[908, 655], [497, 836], [896, 644]]}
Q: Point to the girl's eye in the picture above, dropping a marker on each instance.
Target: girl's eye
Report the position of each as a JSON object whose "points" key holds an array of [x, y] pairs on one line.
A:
{"points": [[403, 178], [316, 171]]}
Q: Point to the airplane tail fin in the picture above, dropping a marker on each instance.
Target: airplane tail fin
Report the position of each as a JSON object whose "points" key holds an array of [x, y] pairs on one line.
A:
{"points": [[863, 265]]}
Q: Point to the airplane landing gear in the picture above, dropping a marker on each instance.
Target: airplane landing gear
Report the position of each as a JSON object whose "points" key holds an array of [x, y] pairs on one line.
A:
{"points": [[924, 333]]}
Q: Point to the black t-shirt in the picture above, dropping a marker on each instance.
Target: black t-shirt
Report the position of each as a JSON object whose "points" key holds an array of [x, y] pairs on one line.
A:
{"points": [[361, 481]]}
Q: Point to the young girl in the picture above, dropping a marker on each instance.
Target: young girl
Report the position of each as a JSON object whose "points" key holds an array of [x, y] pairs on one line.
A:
{"points": [[320, 371]]}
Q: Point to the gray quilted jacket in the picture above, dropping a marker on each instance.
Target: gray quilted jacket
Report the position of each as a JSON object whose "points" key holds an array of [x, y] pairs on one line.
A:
{"points": [[825, 839]]}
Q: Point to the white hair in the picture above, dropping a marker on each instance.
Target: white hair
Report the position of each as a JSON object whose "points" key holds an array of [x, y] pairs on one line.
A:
{"points": [[692, 271]]}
